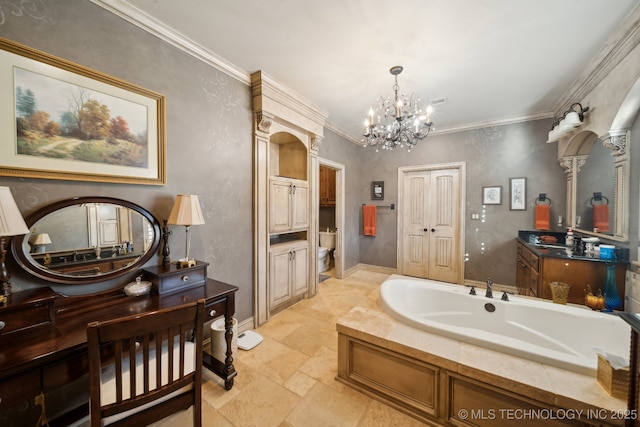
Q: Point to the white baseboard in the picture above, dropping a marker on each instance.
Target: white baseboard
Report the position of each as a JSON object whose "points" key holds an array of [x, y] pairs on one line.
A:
{"points": [[374, 268]]}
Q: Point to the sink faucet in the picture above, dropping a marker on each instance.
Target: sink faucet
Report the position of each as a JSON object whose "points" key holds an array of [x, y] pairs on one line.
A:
{"points": [[489, 293]]}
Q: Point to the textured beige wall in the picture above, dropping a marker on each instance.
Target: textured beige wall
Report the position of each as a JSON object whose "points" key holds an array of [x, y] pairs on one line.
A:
{"points": [[209, 138]]}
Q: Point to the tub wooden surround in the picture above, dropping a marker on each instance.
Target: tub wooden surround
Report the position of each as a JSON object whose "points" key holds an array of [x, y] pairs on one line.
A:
{"points": [[441, 381]]}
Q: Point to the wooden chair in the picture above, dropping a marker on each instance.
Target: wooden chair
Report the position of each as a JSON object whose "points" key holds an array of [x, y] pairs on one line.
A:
{"points": [[121, 396]]}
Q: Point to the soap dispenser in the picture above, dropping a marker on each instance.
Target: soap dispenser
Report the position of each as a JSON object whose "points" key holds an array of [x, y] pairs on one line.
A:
{"points": [[568, 241]]}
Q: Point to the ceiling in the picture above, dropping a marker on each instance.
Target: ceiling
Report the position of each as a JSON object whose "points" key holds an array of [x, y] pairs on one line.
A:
{"points": [[494, 61]]}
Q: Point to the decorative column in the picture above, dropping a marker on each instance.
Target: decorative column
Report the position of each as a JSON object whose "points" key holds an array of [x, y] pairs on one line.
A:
{"points": [[263, 121], [314, 209], [616, 141]]}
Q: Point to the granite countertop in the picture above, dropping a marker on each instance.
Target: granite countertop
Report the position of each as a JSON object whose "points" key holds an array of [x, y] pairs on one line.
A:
{"points": [[559, 250]]}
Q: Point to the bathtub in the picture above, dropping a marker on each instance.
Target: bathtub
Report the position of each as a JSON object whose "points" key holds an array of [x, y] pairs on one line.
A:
{"points": [[539, 330]]}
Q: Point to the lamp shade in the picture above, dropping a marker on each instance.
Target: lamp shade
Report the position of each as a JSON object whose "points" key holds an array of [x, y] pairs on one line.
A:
{"points": [[572, 119], [186, 211], [11, 221], [42, 239]]}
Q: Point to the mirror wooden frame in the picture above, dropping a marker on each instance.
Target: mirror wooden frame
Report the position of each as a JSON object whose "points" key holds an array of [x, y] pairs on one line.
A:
{"points": [[28, 263]]}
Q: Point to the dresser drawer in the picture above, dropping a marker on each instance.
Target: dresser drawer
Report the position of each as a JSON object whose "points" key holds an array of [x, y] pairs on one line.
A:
{"points": [[173, 279], [17, 389], [26, 317], [215, 309]]}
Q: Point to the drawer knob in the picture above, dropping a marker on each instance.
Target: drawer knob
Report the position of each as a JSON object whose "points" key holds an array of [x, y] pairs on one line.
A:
{"points": [[212, 313], [2, 324], [185, 278]]}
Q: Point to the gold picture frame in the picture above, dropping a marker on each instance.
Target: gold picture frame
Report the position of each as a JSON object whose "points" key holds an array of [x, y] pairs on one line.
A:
{"points": [[60, 120]]}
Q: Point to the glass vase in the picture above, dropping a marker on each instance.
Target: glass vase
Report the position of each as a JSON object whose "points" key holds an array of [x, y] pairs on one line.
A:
{"points": [[611, 297]]}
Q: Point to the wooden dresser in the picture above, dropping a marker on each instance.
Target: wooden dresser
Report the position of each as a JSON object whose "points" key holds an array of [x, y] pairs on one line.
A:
{"points": [[43, 343]]}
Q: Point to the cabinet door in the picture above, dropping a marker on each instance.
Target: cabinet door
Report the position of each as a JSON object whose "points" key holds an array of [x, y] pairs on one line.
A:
{"points": [[279, 206], [522, 276], [533, 283], [300, 206], [279, 277], [300, 272], [331, 187]]}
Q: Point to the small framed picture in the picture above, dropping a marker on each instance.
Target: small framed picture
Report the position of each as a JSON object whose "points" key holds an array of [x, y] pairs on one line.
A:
{"points": [[492, 195], [377, 190], [518, 194]]}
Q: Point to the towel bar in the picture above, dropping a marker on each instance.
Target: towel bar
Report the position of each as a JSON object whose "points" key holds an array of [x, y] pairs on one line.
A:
{"points": [[597, 196], [392, 206], [543, 198]]}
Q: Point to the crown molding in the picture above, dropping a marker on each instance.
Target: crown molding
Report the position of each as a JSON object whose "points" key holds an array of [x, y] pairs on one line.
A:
{"points": [[609, 56], [615, 49], [151, 25]]}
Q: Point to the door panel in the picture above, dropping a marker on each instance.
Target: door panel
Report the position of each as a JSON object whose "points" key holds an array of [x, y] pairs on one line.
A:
{"points": [[443, 265], [415, 239], [431, 224]]}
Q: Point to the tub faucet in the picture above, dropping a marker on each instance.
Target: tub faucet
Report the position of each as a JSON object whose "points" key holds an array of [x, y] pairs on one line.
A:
{"points": [[489, 293]]}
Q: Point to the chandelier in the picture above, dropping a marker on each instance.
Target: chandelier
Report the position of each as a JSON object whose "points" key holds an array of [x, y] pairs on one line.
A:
{"points": [[397, 122]]}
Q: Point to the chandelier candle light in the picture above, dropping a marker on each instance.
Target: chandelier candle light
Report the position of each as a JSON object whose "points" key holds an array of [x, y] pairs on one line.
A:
{"points": [[186, 211], [398, 122]]}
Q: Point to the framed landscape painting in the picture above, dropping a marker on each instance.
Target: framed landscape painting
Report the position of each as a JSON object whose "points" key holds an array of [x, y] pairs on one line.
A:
{"points": [[60, 120]]}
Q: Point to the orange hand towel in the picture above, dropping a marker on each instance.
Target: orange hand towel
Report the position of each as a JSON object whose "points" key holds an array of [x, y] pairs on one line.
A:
{"points": [[601, 217], [369, 213], [542, 217]]}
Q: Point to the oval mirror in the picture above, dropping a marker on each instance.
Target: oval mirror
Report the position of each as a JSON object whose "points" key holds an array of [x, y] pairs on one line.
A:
{"points": [[87, 239]]}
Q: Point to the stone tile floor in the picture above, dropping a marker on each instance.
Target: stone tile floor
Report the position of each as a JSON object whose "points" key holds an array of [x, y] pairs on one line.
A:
{"points": [[288, 380]]}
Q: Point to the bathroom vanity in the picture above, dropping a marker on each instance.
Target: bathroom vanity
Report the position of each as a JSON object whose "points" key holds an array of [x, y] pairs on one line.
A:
{"points": [[43, 333], [537, 265]]}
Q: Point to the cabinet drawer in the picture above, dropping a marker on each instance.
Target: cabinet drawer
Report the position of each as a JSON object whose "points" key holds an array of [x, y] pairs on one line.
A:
{"points": [[70, 369], [19, 388], [173, 279], [215, 309], [14, 321]]}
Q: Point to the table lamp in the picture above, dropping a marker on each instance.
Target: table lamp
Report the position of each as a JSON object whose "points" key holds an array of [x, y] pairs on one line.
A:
{"points": [[186, 211], [40, 241], [11, 224]]}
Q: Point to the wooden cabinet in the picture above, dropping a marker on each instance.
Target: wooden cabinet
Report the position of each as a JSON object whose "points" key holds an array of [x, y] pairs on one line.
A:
{"points": [[327, 186], [534, 273], [288, 271], [526, 272], [288, 205]]}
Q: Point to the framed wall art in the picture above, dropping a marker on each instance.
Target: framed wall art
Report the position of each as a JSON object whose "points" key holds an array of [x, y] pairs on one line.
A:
{"points": [[377, 190], [60, 120], [518, 194], [492, 195]]}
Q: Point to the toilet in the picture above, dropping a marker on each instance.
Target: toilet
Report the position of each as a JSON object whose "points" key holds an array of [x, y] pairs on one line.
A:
{"points": [[327, 244]]}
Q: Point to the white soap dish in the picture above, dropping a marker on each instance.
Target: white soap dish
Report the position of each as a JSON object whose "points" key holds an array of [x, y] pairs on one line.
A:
{"points": [[249, 339]]}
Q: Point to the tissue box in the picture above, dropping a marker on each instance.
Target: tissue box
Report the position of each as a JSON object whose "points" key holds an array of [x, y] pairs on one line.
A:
{"points": [[615, 381]]}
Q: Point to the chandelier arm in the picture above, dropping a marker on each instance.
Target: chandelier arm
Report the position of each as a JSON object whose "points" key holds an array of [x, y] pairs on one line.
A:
{"points": [[400, 124]]}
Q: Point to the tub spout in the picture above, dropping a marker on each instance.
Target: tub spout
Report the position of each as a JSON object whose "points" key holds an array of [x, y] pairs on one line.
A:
{"points": [[489, 293]]}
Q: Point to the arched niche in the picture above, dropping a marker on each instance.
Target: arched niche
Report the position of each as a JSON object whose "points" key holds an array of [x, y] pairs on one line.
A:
{"points": [[579, 152], [288, 156]]}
